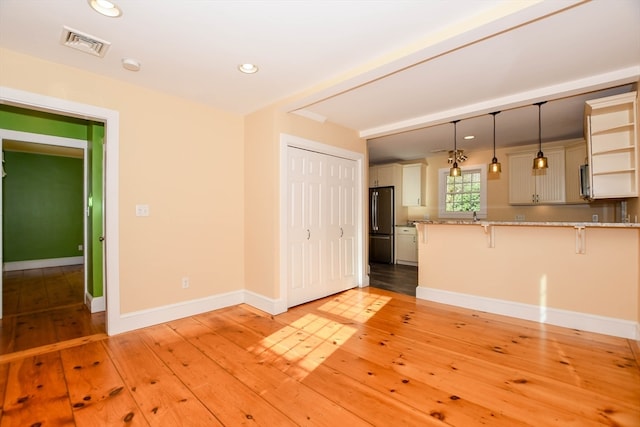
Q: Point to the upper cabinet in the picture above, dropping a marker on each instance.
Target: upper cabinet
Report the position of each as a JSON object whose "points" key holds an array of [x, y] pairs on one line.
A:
{"points": [[575, 156], [414, 184], [385, 175], [610, 126], [529, 187]]}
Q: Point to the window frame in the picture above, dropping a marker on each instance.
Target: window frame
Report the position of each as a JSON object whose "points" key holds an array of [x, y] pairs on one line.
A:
{"points": [[443, 173]]}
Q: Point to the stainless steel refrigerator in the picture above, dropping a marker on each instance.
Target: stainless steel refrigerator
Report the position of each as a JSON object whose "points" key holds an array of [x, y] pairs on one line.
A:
{"points": [[381, 226]]}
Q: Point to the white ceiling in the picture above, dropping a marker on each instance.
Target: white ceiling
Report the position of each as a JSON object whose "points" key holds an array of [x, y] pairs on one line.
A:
{"points": [[396, 71]]}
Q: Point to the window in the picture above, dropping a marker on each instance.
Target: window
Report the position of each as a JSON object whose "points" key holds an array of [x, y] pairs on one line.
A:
{"points": [[460, 197]]}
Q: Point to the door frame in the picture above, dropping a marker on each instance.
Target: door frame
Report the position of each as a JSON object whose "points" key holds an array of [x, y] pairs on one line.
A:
{"points": [[114, 323], [41, 139], [286, 141]]}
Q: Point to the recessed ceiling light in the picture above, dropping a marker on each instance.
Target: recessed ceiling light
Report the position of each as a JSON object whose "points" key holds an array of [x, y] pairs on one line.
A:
{"points": [[248, 68], [469, 137], [105, 7]]}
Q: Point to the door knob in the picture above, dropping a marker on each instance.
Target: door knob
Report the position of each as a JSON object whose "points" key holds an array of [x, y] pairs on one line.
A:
{"points": [[101, 238]]}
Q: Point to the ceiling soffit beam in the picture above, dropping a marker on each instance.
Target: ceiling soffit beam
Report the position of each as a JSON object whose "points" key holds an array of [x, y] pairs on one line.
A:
{"points": [[499, 20], [563, 90]]}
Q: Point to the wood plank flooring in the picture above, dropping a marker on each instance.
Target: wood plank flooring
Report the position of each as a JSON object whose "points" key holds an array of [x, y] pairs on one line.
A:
{"points": [[394, 277], [45, 307], [359, 358]]}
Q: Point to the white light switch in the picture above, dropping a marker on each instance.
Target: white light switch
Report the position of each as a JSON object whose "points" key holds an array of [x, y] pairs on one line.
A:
{"points": [[142, 210]]}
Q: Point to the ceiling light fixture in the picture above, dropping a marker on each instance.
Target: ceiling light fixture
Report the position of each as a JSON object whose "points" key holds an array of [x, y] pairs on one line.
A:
{"points": [[494, 167], [540, 162], [106, 8], [470, 137], [248, 68], [455, 170], [458, 156], [130, 64]]}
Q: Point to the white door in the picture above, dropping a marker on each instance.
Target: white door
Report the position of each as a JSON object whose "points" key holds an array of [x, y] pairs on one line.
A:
{"points": [[321, 225], [306, 190], [341, 230]]}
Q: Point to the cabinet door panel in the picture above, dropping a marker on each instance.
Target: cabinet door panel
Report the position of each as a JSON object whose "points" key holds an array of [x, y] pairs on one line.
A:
{"points": [[522, 186], [550, 186], [412, 185], [386, 176]]}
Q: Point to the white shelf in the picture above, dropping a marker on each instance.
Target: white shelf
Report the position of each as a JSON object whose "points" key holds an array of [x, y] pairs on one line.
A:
{"points": [[617, 171], [612, 146], [613, 150], [612, 129]]}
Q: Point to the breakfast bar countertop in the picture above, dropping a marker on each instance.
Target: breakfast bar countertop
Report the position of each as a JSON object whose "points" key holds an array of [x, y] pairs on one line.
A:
{"points": [[532, 223]]}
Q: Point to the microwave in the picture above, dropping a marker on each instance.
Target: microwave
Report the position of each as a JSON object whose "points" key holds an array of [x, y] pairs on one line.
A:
{"points": [[585, 186]]}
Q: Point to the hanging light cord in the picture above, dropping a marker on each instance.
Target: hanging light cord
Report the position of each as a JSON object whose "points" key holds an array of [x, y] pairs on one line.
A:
{"points": [[539, 104], [455, 149], [495, 159]]}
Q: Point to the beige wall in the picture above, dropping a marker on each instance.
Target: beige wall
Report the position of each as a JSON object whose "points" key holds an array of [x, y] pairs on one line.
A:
{"points": [[537, 266], [499, 208], [185, 160], [262, 187]]}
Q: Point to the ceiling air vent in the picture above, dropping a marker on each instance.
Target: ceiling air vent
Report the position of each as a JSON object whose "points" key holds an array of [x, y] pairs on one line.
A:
{"points": [[84, 42]]}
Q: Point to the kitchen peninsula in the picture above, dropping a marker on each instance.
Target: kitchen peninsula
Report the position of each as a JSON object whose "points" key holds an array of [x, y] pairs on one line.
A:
{"points": [[578, 275]]}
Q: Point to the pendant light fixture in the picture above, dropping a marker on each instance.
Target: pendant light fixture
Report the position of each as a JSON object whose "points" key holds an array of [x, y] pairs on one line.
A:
{"points": [[455, 170], [540, 162], [494, 167]]}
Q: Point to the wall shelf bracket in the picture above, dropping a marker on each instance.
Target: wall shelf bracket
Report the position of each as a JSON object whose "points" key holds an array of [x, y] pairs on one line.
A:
{"points": [[489, 230], [581, 239]]}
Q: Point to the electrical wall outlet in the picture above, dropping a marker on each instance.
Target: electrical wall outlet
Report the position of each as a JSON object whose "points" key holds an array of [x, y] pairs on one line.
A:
{"points": [[594, 218], [519, 217], [80, 247], [185, 282], [142, 210]]}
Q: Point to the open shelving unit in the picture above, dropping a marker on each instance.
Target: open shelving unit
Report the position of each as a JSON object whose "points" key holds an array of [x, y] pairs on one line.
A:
{"points": [[611, 125]]}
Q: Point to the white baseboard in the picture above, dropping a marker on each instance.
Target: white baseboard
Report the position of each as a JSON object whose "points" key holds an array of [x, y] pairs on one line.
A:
{"points": [[263, 303], [95, 304], [553, 316], [143, 318], [42, 263], [415, 264]]}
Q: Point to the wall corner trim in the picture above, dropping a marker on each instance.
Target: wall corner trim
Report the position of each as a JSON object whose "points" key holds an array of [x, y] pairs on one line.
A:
{"points": [[95, 304]]}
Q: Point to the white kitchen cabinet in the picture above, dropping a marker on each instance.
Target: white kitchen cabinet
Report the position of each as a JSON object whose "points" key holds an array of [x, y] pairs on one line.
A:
{"points": [[385, 175], [575, 156], [531, 187], [406, 246], [612, 146], [414, 185]]}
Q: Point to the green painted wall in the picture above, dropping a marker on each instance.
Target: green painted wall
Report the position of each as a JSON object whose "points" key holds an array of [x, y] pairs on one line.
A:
{"points": [[43, 200], [20, 119], [25, 120]]}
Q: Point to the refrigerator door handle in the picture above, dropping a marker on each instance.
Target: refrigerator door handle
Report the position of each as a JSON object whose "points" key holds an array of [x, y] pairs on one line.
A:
{"points": [[374, 210]]}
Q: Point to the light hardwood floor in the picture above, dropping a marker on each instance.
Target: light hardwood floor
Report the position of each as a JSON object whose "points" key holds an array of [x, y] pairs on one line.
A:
{"points": [[362, 357], [44, 306]]}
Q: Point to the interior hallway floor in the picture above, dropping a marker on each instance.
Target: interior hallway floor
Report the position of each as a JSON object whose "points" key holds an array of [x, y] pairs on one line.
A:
{"points": [[394, 277]]}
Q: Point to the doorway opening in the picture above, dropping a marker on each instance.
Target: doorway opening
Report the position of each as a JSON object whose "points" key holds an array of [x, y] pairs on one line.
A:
{"points": [[114, 323], [45, 234]]}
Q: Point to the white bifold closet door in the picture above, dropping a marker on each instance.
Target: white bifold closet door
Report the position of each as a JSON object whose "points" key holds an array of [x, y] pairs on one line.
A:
{"points": [[321, 225]]}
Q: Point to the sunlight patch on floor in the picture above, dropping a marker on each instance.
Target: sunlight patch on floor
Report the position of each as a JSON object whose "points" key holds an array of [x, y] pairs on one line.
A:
{"points": [[307, 342], [355, 305]]}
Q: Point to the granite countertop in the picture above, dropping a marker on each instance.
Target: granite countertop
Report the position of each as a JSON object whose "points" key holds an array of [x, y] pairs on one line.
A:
{"points": [[533, 224]]}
